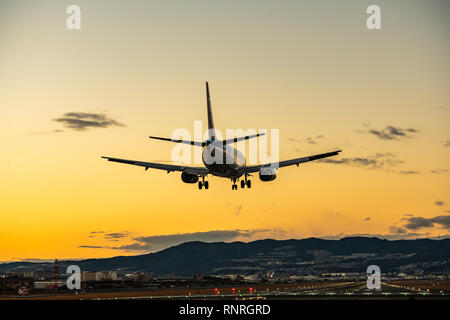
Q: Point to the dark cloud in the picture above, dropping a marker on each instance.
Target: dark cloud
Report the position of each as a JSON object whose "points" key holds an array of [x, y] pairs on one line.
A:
{"points": [[415, 172], [90, 247], [93, 234], [446, 143], [111, 236], [389, 236], [376, 161], [163, 241], [154, 243], [409, 172], [295, 140], [367, 219], [116, 235], [438, 171], [397, 230], [81, 121], [392, 133], [439, 203], [415, 223]]}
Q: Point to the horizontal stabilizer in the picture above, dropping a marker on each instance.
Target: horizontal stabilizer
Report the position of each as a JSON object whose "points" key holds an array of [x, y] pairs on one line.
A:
{"points": [[193, 143], [242, 138]]}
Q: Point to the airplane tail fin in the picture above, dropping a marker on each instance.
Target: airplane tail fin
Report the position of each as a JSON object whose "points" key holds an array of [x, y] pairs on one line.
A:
{"points": [[210, 116]]}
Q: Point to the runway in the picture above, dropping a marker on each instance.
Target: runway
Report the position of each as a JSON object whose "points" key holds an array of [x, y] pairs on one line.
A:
{"points": [[287, 291]]}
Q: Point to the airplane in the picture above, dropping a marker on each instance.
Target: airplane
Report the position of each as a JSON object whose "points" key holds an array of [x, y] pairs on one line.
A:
{"points": [[233, 165]]}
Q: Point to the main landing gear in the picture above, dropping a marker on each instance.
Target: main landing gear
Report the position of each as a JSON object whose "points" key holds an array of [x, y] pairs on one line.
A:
{"points": [[203, 183], [244, 183]]}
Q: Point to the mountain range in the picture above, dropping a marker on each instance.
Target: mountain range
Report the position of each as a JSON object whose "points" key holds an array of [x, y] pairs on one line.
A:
{"points": [[282, 257]]}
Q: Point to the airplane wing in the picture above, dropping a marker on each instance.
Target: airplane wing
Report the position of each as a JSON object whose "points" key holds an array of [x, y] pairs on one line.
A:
{"points": [[297, 161], [161, 166]]}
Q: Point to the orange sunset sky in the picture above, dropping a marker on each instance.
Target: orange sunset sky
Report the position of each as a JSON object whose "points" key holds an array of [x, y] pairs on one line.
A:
{"points": [[311, 69]]}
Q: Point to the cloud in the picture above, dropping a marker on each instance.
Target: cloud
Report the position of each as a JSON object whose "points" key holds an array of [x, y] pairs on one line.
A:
{"points": [[309, 140], [236, 208], [152, 243], [93, 234], [116, 235], [34, 260], [376, 161], [111, 236], [388, 236], [45, 132], [416, 223], [397, 230], [409, 172], [159, 242], [295, 140], [439, 203], [81, 121], [415, 172], [367, 219], [438, 171], [392, 133], [90, 247], [446, 143]]}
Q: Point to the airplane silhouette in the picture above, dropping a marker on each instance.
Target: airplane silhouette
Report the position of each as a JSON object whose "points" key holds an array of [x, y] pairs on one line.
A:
{"points": [[221, 159]]}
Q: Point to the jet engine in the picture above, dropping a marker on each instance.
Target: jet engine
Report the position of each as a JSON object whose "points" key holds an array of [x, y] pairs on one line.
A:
{"points": [[267, 174], [189, 178]]}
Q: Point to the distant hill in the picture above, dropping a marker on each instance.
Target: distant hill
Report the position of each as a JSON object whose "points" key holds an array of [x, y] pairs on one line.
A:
{"points": [[305, 256]]}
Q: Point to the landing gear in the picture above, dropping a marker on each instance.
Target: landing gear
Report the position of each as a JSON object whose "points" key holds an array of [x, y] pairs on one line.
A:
{"points": [[234, 186], [246, 182], [203, 183]]}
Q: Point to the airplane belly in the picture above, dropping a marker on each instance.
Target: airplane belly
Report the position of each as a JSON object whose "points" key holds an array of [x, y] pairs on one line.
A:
{"points": [[219, 163]]}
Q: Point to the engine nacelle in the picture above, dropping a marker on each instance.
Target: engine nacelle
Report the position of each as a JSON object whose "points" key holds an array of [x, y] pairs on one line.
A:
{"points": [[267, 174], [189, 178]]}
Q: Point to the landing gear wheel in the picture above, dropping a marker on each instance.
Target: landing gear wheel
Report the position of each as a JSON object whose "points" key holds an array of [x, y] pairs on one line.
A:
{"points": [[206, 184], [249, 184], [242, 184], [200, 184], [234, 187]]}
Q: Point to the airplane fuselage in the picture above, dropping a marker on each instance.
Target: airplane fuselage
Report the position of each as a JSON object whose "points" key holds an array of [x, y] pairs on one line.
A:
{"points": [[223, 160]]}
